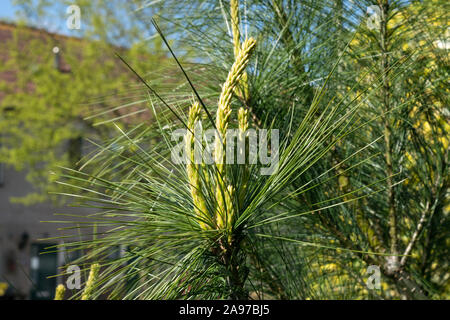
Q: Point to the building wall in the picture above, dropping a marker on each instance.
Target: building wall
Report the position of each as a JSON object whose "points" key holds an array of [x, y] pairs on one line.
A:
{"points": [[21, 227]]}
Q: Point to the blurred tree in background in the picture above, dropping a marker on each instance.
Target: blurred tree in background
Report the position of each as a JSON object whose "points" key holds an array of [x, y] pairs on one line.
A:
{"points": [[47, 108]]}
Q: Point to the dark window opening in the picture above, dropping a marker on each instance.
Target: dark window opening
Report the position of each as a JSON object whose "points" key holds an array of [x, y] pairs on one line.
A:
{"points": [[43, 266]]}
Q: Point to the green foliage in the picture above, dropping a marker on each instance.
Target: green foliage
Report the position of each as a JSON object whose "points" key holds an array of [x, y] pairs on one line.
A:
{"points": [[362, 108], [47, 111]]}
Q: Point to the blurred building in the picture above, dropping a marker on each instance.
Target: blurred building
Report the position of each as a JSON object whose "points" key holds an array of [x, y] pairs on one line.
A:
{"points": [[24, 271]]}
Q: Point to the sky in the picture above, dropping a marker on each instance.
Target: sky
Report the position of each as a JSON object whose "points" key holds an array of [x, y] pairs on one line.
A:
{"points": [[56, 19], [52, 23], [6, 9]]}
